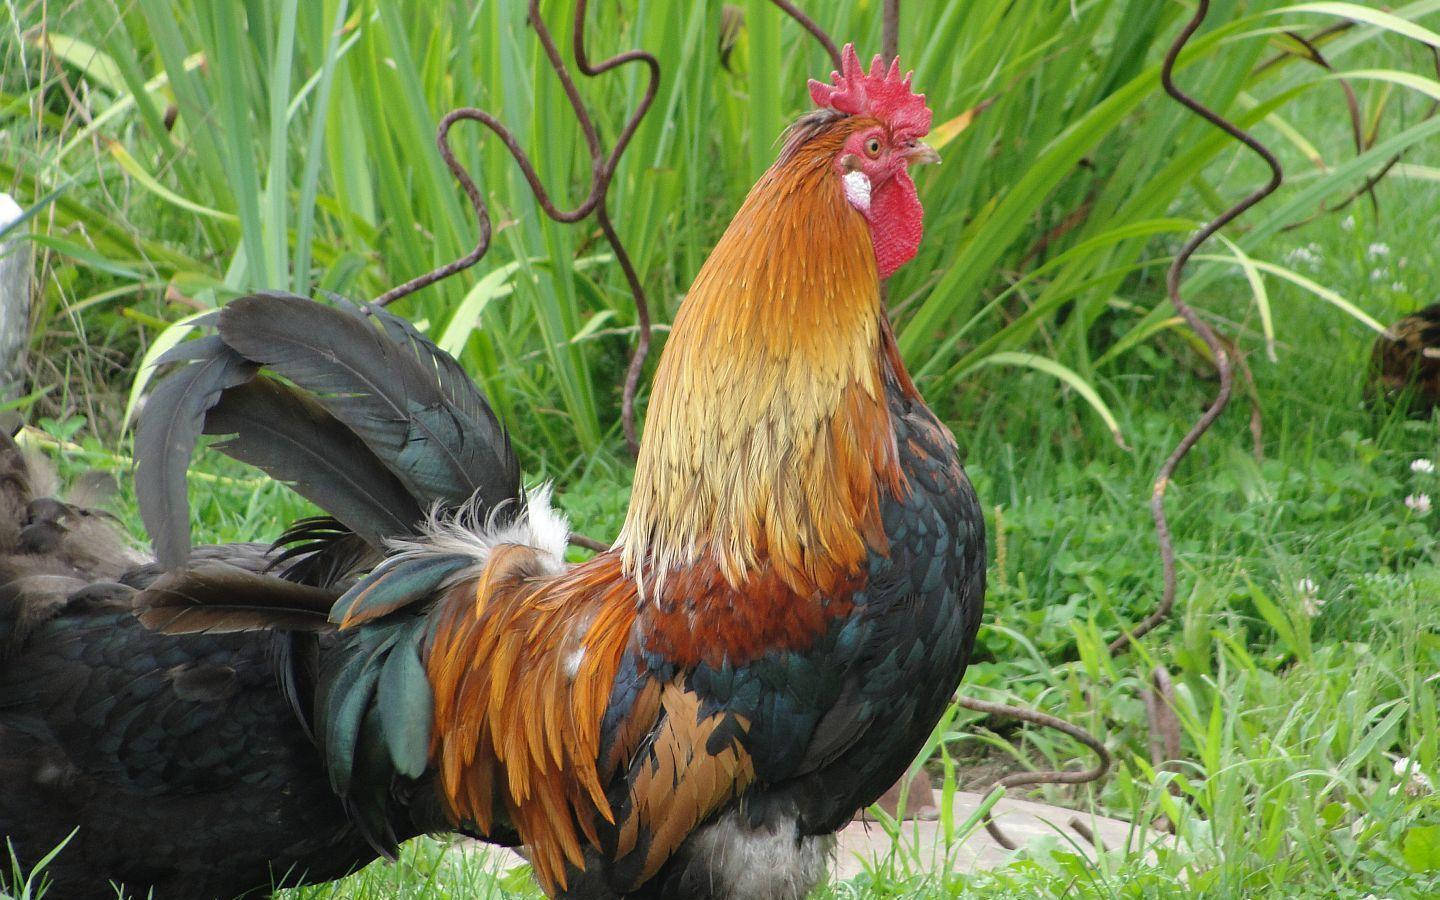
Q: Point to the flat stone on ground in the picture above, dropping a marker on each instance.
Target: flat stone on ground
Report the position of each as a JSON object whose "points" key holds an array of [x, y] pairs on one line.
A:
{"points": [[1023, 821]]}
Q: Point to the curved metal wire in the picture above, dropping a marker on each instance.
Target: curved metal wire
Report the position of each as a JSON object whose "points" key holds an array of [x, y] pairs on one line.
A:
{"points": [[1019, 779], [1362, 142], [815, 30], [1157, 503], [603, 167], [1207, 334], [890, 28]]}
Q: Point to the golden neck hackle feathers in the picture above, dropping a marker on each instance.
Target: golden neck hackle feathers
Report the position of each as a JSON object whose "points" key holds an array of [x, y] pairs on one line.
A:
{"points": [[767, 426]]}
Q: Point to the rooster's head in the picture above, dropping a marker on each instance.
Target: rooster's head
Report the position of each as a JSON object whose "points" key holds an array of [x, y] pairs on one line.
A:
{"points": [[884, 121]]}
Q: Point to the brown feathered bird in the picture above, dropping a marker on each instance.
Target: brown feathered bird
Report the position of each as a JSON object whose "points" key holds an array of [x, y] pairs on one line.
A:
{"points": [[1405, 362], [693, 713]]}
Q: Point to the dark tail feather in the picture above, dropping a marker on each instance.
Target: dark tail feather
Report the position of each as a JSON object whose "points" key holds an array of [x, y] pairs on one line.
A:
{"points": [[396, 583], [213, 597], [274, 427], [501, 485], [165, 439], [373, 721], [297, 670], [321, 551], [349, 680], [394, 426], [410, 404]]}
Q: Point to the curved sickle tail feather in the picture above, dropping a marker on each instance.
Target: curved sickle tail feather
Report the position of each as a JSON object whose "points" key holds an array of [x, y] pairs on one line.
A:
{"points": [[373, 423]]}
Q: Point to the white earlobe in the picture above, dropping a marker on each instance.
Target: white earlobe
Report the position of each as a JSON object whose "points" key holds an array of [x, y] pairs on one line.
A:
{"points": [[857, 190]]}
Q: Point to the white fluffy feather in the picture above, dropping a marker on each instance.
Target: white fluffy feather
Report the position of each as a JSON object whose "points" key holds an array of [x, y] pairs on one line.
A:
{"points": [[737, 860], [465, 532]]}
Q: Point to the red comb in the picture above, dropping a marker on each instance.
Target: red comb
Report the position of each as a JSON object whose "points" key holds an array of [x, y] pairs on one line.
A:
{"points": [[881, 94]]}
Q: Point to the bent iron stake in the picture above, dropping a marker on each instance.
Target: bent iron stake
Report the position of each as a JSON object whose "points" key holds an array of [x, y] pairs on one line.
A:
{"points": [[602, 174]]}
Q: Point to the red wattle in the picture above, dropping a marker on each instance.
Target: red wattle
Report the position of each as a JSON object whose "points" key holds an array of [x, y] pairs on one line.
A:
{"points": [[896, 223]]}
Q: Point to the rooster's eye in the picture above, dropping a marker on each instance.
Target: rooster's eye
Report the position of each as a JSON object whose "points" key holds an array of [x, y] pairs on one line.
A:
{"points": [[872, 147]]}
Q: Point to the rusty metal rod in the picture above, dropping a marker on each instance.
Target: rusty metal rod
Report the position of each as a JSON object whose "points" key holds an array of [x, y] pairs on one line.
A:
{"points": [[603, 167], [1198, 325], [1018, 779], [890, 25]]}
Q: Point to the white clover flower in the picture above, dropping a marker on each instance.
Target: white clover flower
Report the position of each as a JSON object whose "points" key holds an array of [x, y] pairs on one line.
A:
{"points": [[1397, 286], [1348, 223], [1416, 783], [1378, 274], [1310, 602], [1423, 466], [1419, 503], [1378, 249], [1309, 255]]}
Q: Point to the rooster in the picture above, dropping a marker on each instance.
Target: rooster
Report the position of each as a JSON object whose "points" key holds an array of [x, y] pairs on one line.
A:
{"points": [[694, 712]]}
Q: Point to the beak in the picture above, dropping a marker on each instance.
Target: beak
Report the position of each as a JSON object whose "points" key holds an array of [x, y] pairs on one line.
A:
{"points": [[921, 153]]}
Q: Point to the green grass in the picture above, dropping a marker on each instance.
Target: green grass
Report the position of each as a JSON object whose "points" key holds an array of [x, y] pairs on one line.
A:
{"points": [[1304, 648]]}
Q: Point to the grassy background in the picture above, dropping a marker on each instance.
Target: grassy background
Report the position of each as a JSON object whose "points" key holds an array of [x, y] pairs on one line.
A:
{"points": [[1303, 649]]}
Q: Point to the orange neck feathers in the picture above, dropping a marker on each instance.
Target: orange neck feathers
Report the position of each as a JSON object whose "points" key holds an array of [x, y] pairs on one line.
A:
{"points": [[767, 431]]}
